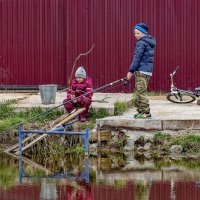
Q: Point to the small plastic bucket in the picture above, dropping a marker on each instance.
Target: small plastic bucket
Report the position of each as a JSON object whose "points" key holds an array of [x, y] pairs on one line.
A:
{"points": [[48, 93]]}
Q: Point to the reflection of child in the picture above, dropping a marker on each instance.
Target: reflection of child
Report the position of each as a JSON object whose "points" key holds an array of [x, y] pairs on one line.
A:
{"points": [[48, 190], [80, 86], [79, 192]]}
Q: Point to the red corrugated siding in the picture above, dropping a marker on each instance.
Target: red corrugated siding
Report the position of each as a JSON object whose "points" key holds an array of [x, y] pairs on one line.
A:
{"points": [[31, 42], [160, 190], [108, 192], [40, 39], [157, 191], [187, 190], [23, 192]]}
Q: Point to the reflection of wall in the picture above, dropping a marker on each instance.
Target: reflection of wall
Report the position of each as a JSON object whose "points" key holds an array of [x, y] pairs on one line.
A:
{"points": [[158, 191], [187, 190], [22, 192], [109, 192]]}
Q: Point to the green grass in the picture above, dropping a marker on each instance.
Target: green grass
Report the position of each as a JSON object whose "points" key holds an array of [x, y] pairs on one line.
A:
{"points": [[9, 118], [77, 149], [120, 107], [161, 137], [6, 109], [97, 114], [190, 143]]}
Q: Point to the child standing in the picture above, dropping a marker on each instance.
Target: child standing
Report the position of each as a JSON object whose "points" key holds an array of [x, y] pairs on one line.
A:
{"points": [[142, 67], [80, 86]]}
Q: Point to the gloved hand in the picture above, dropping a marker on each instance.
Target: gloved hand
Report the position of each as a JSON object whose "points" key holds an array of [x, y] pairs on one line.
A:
{"points": [[126, 83], [80, 99], [73, 98]]}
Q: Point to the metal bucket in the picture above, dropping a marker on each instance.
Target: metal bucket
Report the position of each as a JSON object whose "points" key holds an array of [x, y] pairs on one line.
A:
{"points": [[48, 93]]}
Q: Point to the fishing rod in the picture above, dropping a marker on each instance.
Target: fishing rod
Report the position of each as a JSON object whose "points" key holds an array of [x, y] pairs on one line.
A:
{"points": [[43, 113], [73, 67]]}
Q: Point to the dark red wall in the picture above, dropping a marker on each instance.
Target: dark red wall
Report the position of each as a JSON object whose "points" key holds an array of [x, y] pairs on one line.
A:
{"points": [[157, 191], [40, 40]]}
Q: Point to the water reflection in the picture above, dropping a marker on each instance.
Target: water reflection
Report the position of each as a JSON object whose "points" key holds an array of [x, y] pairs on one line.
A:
{"points": [[69, 174], [104, 177]]}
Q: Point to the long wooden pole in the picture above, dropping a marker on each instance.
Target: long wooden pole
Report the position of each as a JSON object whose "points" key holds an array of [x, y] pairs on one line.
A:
{"points": [[72, 72]]}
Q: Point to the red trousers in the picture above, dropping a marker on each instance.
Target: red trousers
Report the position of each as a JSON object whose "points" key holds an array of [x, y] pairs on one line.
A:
{"points": [[84, 103]]}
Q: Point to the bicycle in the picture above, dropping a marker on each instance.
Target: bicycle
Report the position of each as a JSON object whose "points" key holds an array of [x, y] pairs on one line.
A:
{"points": [[182, 96]]}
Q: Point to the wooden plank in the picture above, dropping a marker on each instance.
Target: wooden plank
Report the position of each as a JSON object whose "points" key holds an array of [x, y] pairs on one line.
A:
{"points": [[70, 117], [98, 136], [17, 145], [72, 121], [32, 143], [58, 120], [63, 122], [31, 163]]}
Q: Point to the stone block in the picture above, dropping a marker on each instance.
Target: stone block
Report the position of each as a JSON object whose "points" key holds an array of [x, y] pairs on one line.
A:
{"points": [[128, 123], [181, 124]]}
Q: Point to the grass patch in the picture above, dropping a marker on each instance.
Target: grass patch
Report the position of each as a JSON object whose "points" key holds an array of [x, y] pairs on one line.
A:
{"points": [[9, 118], [190, 143], [161, 137], [120, 107], [6, 109], [97, 114], [77, 150], [134, 100]]}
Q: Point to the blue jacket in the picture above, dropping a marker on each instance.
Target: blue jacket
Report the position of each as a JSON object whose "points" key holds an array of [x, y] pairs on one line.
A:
{"points": [[144, 55]]}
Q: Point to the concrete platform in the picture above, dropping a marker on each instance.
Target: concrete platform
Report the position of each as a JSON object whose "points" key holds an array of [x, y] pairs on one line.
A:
{"points": [[28, 100], [165, 115], [100, 100]]}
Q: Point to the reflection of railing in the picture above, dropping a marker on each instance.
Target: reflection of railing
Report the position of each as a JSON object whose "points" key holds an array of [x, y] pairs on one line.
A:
{"points": [[55, 131], [83, 176]]}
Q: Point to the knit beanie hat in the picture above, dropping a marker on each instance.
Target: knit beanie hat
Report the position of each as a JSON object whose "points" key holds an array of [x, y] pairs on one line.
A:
{"points": [[80, 73], [142, 27]]}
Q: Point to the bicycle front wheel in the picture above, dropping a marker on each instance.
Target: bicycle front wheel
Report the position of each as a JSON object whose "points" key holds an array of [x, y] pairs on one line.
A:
{"points": [[181, 98]]}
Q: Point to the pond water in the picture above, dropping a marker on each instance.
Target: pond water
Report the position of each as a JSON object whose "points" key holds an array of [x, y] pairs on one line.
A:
{"points": [[120, 177]]}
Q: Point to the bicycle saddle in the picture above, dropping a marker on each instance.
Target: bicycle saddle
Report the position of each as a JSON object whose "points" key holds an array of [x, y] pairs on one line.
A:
{"points": [[197, 89]]}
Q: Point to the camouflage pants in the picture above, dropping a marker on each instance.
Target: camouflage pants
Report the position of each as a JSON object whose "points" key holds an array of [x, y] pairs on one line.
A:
{"points": [[141, 84]]}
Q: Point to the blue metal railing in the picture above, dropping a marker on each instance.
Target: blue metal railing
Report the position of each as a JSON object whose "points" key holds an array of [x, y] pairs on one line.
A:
{"points": [[55, 131]]}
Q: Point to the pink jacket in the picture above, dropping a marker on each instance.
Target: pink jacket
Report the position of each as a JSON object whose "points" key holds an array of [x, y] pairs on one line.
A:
{"points": [[79, 89]]}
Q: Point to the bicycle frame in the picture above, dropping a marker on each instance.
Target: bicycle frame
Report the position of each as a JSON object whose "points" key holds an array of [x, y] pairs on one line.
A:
{"points": [[174, 89], [179, 95], [172, 81]]}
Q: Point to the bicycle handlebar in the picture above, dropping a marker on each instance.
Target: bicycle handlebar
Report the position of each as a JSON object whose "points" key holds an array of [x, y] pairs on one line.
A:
{"points": [[171, 77], [175, 70]]}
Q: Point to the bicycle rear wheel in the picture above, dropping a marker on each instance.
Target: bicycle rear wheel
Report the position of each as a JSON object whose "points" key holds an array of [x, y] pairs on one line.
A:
{"points": [[181, 98]]}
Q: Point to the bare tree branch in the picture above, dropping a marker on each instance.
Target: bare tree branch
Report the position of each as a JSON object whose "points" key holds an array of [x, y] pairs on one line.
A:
{"points": [[82, 54]]}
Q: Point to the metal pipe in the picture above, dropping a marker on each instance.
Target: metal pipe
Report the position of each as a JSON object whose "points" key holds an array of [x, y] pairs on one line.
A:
{"points": [[38, 115], [100, 88]]}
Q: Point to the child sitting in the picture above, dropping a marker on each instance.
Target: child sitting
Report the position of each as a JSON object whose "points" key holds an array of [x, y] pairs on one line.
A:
{"points": [[80, 86]]}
